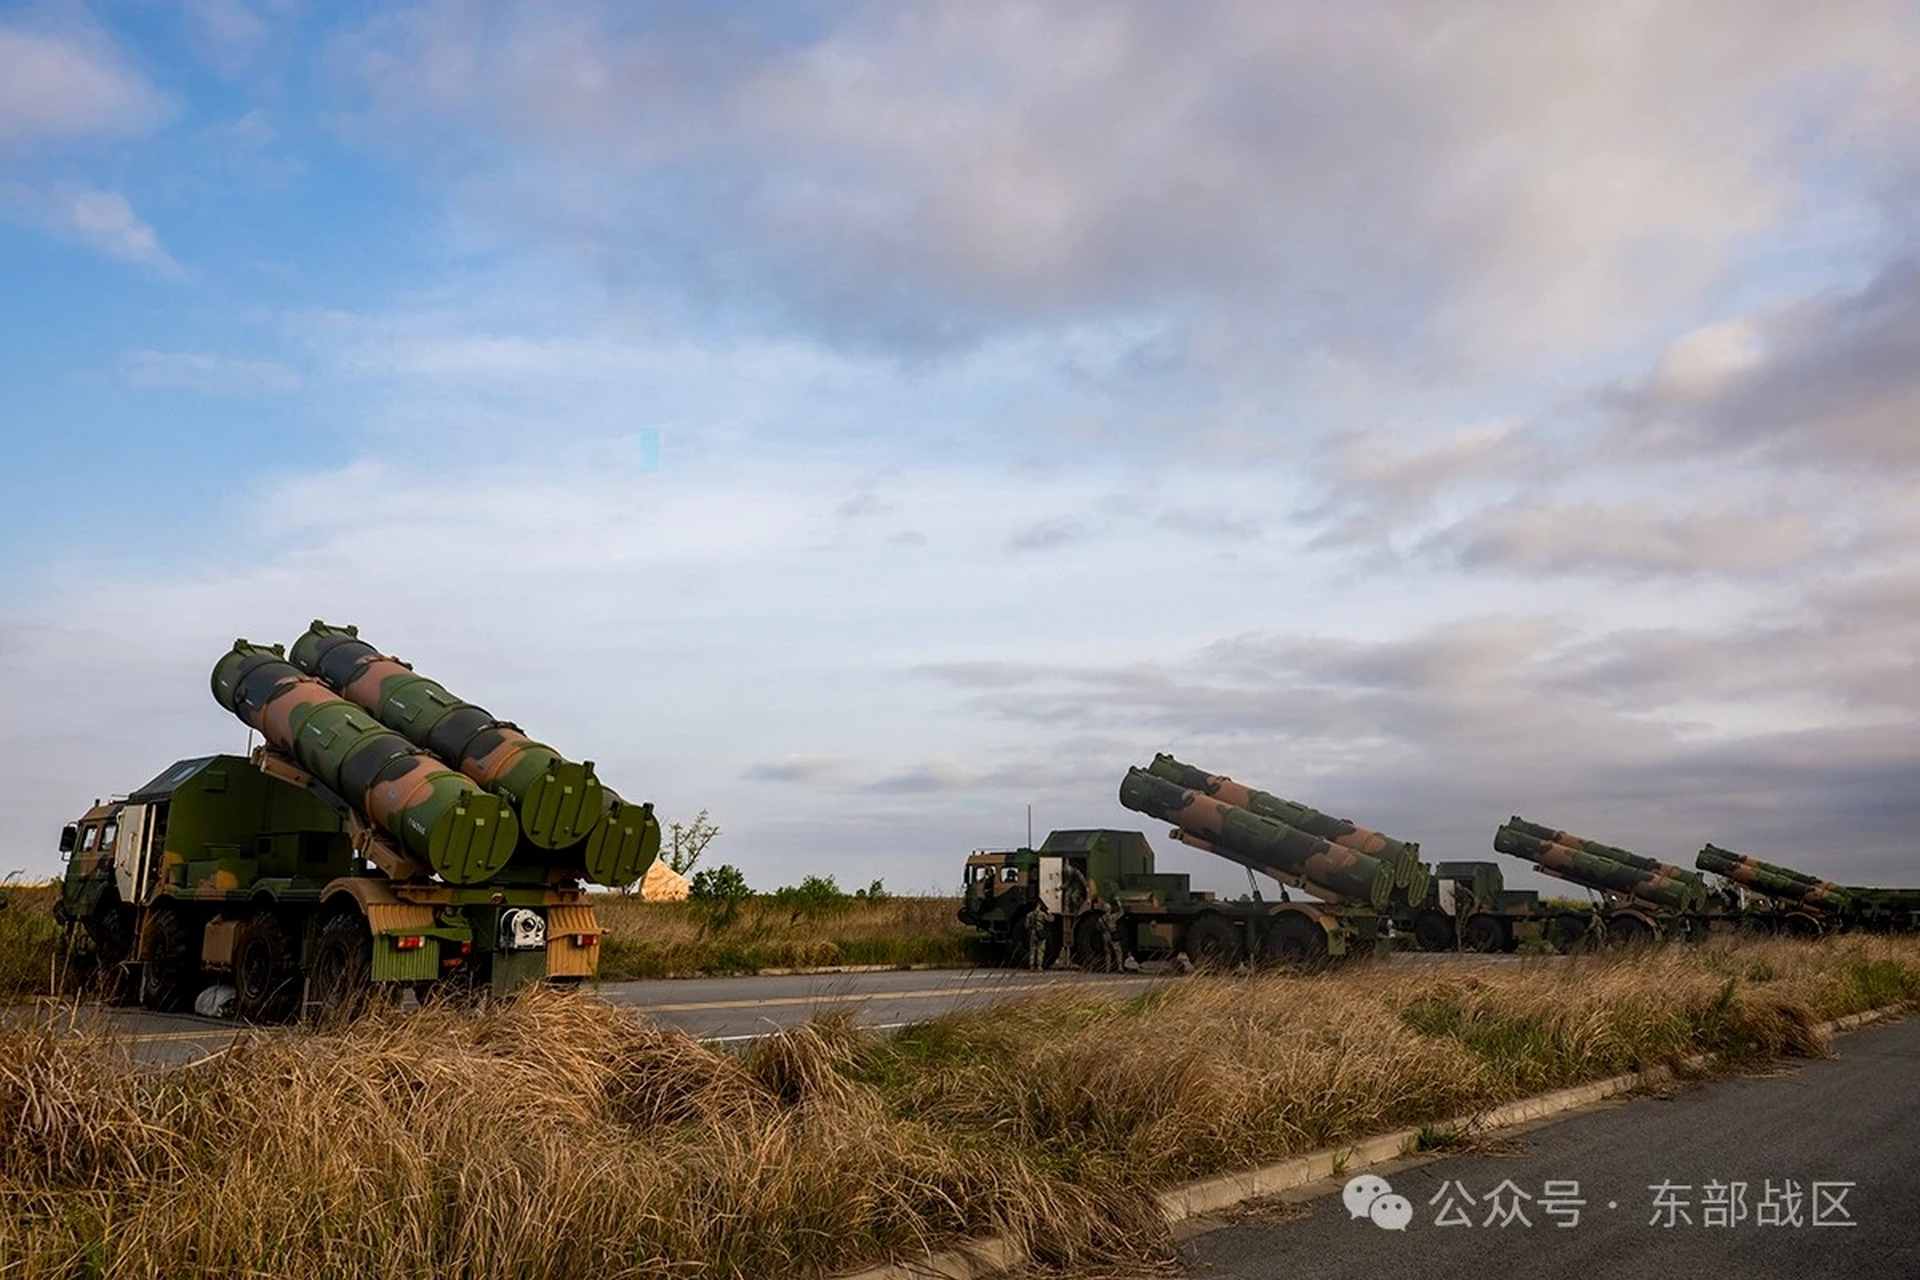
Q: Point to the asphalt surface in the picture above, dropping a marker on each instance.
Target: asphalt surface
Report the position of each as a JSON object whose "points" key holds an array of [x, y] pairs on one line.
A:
{"points": [[1659, 1179], [728, 1010]]}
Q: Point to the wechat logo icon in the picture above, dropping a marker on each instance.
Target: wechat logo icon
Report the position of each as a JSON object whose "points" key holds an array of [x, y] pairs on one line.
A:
{"points": [[1369, 1196]]}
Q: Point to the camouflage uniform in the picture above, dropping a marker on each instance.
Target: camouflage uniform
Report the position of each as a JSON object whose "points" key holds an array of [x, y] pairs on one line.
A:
{"points": [[1109, 919], [1074, 890], [1038, 922]]}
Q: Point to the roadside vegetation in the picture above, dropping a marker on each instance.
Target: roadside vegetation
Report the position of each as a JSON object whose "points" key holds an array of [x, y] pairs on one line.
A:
{"points": [[808, 925], [557, 1136], [31, 941]]}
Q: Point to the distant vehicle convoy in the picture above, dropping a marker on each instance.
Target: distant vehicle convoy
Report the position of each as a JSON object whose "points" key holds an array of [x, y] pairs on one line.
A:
{"points": [[1371, 891], [386, 835]]}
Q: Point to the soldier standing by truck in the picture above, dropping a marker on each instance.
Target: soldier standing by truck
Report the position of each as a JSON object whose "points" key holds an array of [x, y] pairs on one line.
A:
{"points": [[1039, 921], [1109, 918]]}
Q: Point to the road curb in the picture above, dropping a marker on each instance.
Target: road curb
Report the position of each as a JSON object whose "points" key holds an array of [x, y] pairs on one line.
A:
{"points": [[981, 1258]]}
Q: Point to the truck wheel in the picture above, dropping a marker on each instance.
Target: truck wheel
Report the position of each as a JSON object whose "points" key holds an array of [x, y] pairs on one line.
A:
{"points": [[266, 971], [1629, 931], [1486, 934], [342, 975], [1089, 952], [1798, 925], [171, 963], [1213, 943], [1570, 933], [1433, 931], [1295, 941]]}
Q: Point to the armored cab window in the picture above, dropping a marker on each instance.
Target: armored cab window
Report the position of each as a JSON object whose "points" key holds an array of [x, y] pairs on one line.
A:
{"points": [[109, 831], [1010, 875], [89, 838]]}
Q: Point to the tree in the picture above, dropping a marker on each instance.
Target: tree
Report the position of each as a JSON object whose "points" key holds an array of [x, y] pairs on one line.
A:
{"points": [[687, 841], [724, 883], [718, 893]]}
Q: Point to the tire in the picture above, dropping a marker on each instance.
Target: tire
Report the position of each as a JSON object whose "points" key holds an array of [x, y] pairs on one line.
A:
{"points": [[1213, 943], [1570, 933], [1294, 941], [1486, 934], [1630, 931], [1089, 951], [266, 970], [172, 963], [1801, 926], [341, 976], [1433, 931]]}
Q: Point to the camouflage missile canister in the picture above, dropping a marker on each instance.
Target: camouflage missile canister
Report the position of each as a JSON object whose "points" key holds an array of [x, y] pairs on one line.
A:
{"points": [[1334, 871], [1571, 841], [1338, 831], [1597, 871], [438, 816], [556, 800], [1783, 884]]}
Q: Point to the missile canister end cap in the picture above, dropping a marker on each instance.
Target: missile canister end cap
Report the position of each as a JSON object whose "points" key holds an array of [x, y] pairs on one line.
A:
{"points": [[472, 841], [561, 806], [623, 845]]}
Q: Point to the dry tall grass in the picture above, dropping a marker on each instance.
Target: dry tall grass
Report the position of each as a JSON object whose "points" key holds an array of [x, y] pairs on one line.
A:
{"points": [[664, 939], [555, 1136]]}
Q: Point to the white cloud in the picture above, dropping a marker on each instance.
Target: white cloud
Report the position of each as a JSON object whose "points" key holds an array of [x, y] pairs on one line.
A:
{"points": [[57, 86], [1495, 189], [104, 221]]}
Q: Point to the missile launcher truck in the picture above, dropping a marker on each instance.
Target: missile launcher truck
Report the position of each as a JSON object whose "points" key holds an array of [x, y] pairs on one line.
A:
{"points": [[1360, 879], [393, 837], [1796, 903], [1639, 900]]}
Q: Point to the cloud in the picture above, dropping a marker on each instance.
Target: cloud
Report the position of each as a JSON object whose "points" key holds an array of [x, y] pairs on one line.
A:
{"points": [[228, 33], [1048, 535], [104, 221], [1832, 379], [58, 86], [208, 373], [1491, 190], [1546, 537], [804, 769]]}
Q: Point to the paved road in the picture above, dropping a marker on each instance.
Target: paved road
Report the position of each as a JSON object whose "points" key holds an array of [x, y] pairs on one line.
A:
{"points": [[728, 1010], [1853, 1119]]}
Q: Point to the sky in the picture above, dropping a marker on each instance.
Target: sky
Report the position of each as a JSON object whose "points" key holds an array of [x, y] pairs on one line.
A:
{"points": [[868, 421]]}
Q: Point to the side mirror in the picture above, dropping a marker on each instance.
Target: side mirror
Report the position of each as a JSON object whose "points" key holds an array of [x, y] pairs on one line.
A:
{"points": [[69, 836]]}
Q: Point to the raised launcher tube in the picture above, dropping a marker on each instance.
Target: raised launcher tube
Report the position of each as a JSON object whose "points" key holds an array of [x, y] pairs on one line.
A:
{"points": [[1593, 870], [556, 800], [1627, 856], [562, 807], [1331, 871], [437, 816], [1410, 873], [1783, 884]]}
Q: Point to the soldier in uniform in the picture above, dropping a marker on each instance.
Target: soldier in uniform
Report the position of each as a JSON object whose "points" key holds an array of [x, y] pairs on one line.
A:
{"points": [[1109, 919], [1074, 890], [1039, 921]]}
